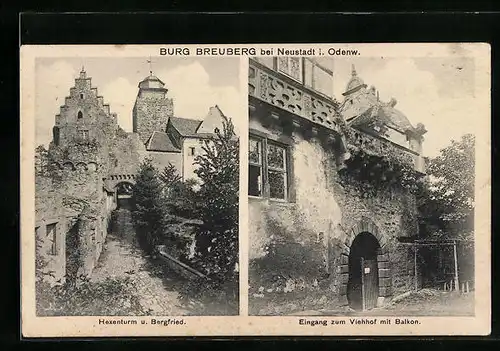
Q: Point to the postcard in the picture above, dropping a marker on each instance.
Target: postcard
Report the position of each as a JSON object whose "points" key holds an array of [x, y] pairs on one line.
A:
{"points": [[255, 190]]}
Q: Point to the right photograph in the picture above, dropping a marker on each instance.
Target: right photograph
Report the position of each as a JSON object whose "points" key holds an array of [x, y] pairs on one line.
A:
{"points": [[361, 186]]}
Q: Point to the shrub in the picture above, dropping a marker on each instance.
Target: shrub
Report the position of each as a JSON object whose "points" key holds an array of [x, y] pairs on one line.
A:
{"points": [[111, 297]]}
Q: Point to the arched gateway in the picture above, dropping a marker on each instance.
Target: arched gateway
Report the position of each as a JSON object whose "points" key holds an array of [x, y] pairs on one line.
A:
{"points": [[124, 194], [364, 267]]}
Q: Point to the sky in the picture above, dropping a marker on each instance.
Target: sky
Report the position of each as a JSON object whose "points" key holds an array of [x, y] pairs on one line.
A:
{"points": [[438, 92], [195, 84]]}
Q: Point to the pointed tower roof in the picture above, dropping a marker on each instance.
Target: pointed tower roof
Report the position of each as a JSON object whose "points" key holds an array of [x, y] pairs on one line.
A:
{"points": [[152, 82], [355, 83]]}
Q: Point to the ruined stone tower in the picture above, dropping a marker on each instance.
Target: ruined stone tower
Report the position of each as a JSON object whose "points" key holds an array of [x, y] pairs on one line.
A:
{"points": [[152, 108], [72, 202]]}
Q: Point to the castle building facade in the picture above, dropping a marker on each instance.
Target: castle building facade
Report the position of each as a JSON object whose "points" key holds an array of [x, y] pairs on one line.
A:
{"points": [[329, 188], [90, 166]]}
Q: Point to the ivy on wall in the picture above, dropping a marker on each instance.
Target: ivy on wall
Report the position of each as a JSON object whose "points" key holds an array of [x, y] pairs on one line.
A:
{"points": [[369, 172]]}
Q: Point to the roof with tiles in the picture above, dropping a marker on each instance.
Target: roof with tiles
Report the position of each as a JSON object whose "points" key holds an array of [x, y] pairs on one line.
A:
{"points": [[185, 126], [160, 141], [363, 106]]}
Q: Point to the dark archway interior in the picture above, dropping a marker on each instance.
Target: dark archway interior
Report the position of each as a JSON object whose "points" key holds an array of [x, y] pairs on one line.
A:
{"points": [[124, 192], [365, 246]]}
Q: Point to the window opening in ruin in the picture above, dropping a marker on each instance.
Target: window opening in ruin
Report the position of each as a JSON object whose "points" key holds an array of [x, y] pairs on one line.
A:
{"points": [[191, 151], [81, 95], [55, 135], [52, 237], [85, 134], [291, 66], [80, 114], [320, 237]]}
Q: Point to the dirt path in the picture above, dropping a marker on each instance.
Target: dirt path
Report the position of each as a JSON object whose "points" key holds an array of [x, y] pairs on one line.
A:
{"points": [[121, 257]]}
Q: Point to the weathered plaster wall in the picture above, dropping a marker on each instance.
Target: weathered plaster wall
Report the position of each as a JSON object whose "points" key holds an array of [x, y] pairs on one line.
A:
{"points": [[188, 160], [214, 119], [314, 232], [75, 187], [162, 159]]}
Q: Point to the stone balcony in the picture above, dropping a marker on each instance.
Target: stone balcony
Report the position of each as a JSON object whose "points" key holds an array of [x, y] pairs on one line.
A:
{"points": [[285, 94], [280, 91], [378, 146]]}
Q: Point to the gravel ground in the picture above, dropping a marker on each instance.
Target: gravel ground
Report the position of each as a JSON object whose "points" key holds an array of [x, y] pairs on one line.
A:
{"points": [[122, 258], [425, 302]]}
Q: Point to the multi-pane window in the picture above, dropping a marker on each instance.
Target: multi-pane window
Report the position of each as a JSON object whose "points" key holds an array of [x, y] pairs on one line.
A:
{"points": [[276, 168], [268, 169], [51, 230], [315, 74], [291, 66]]}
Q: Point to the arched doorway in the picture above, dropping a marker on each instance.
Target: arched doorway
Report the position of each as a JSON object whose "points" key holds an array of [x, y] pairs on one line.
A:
{"points": [[124, 192], [363, 283]]}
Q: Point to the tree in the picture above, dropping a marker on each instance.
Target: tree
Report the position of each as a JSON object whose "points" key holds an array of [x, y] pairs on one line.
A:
{"points": [[179, 197], [169, 176], [147, 210], [446, 198], [218, 170]]}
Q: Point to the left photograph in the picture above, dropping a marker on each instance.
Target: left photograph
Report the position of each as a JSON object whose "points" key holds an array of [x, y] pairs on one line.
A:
{"points": [[136, 186]]}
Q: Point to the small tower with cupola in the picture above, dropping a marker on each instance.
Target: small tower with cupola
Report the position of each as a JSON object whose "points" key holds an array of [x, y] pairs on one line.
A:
{"points": [[152, 107]]}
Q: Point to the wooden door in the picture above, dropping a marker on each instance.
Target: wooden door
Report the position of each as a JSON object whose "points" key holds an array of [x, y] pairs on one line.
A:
{"points": [[369, 283]]}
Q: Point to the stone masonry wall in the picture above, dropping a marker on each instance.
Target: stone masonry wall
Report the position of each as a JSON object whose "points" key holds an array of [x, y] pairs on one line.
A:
{"points": [[150, 114], [71, 190], [126, 152], [85, 187], [49, 210], [162, 159], [95, 115]]}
